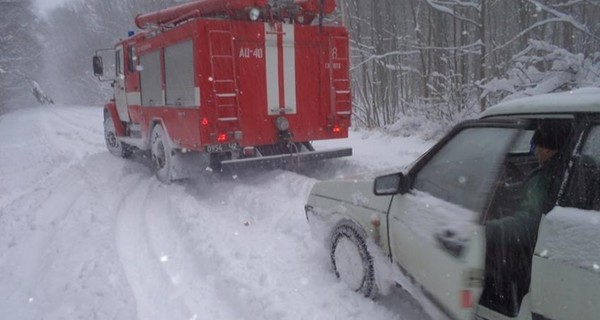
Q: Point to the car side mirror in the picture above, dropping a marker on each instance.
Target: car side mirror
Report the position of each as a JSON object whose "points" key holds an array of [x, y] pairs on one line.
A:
{"points": [[391, 184], [98, 66]]}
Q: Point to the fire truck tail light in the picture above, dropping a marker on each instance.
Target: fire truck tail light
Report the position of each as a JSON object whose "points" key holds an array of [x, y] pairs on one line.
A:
{"points": [[337, 129], [222, 137], [466, 299], [204, 122]]}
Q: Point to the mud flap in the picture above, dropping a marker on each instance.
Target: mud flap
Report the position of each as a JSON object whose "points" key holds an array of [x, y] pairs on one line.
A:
{"points": [[187, 164]]}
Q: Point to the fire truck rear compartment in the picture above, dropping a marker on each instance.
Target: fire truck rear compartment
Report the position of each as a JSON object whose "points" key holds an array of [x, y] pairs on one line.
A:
{"points": [[240, 92]]}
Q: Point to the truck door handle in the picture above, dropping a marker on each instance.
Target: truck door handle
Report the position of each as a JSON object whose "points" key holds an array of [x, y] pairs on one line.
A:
{"points": [[449, 241]]}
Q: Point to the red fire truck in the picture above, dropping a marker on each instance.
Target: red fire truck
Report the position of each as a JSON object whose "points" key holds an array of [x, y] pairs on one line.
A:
{"points": [[230, 83]]}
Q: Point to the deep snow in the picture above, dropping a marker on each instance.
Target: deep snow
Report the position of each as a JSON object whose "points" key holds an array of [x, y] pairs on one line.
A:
{"points": [[86, 235]]}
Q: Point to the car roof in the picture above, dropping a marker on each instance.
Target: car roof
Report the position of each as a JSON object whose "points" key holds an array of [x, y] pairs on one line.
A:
{"points": [[584, 100]]}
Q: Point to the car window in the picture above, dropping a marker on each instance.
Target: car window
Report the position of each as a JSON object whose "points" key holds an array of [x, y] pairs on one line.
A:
{"points": [[119, 62], [464, 169], [523, 143], [591, 147], [585, 175]]}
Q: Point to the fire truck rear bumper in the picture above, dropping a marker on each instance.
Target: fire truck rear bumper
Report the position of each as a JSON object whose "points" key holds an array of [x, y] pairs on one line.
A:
{"points": [[285, 160]]}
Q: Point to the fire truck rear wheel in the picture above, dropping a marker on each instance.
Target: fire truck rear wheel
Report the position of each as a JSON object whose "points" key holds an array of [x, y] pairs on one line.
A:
{"points": [[162, 154], [113, 144]]}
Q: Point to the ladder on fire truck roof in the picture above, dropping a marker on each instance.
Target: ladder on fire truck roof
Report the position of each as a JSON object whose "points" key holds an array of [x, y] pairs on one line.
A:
{"points": [[223, 75]]}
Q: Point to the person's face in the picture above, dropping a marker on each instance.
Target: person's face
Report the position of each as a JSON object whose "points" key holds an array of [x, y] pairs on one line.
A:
{"points": [[543, 154]]}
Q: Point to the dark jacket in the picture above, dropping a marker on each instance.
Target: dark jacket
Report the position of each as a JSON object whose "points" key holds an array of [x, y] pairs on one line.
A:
{"points": [[539, 197]]}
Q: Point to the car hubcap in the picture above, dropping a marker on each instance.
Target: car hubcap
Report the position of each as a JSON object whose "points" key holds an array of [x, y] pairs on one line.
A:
{"points": [[111, 139], [349, 263]]}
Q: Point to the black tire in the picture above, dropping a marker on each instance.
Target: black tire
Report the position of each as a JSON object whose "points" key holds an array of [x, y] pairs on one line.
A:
{"points": [[352, 261], [162, 154], [113, 144]]}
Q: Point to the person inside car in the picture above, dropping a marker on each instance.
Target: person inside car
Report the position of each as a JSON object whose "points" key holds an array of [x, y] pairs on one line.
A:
{"points": [[511, 239], [521, 228]]}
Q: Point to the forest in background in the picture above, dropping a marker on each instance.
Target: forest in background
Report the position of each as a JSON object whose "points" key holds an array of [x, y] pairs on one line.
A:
{"points": [[413, 61]]}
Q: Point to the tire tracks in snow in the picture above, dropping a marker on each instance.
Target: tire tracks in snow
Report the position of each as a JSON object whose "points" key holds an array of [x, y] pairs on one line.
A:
{"points": [[232, 246], [51, 274], [38, 137], [149, 283], [208, 270], [77, 122], [154, 259], [190, 278]]}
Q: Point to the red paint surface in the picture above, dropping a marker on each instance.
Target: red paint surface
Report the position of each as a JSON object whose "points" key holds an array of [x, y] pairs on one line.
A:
{"points": [[322, 68]]}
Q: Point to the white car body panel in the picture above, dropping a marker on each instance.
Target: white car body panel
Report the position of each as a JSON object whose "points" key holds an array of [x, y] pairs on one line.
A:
{"points": [[567, 260], [415, 221], [584, 100]]}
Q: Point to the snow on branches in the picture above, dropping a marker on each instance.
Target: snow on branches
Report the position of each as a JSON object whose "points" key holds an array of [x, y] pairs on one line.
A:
{"points": [[542, 68]]}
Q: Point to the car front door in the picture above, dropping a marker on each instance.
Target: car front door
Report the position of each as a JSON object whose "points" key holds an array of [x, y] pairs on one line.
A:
{"points": [[436, 235], [565, 281]]}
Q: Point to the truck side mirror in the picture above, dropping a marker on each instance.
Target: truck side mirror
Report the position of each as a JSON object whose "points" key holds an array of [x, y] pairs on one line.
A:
{"points": [[390, 184], [98, 66]]}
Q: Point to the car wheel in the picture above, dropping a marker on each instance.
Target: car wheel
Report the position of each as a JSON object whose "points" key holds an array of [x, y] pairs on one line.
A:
{"points": [[351, 260], [113, 144], [162, 154]]}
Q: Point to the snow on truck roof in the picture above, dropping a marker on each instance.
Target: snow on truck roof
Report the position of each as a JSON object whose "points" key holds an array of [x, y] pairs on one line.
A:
{"points": [[584, 100]]}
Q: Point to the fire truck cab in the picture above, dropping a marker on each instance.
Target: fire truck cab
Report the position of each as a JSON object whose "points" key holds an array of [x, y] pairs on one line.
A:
{"points": [[236, 82]]}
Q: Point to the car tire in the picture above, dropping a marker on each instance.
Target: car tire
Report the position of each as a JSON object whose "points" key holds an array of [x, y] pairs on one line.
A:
{"points": [[162, 154], [114, 146], [351, 260]]}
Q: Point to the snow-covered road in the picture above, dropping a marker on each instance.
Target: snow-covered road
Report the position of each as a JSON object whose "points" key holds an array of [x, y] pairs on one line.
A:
{"points": [[85, 235]]}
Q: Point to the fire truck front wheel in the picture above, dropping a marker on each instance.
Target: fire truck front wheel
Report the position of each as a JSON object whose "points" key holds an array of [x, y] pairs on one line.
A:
{"points": [[113, 144], [162, 154]]}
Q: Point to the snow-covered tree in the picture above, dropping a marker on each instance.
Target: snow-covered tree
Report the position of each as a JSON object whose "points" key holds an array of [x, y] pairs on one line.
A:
{"points": [[543, 68], [20, 51], [75, 31], [439, 59]]}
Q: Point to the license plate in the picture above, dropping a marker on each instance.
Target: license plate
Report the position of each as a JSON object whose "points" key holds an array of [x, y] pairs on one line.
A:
{"points": [[216, 148]]}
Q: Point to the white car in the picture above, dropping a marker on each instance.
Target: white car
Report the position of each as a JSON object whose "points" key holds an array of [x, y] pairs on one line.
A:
{"points": [[430, 219]]}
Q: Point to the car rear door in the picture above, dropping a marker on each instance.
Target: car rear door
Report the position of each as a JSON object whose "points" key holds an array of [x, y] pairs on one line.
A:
{"points": [[565, 281], [436, 235]]}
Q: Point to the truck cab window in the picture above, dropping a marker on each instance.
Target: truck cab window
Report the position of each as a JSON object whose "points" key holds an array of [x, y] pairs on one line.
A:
{"points": [[119, 62], [131, 59]]}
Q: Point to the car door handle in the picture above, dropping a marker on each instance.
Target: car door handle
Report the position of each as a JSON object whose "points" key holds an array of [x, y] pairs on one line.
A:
{"points": [[450, 242]]}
